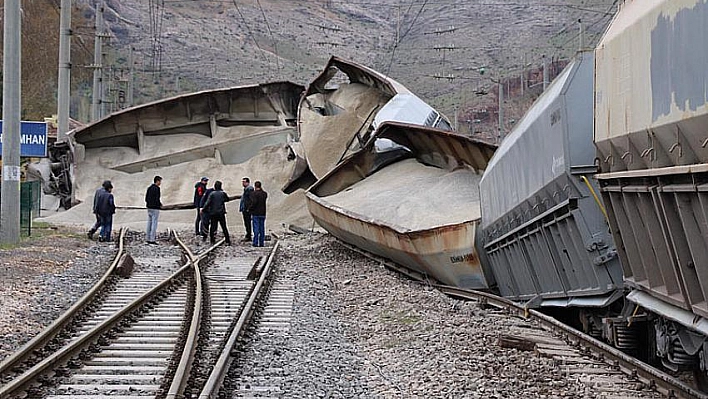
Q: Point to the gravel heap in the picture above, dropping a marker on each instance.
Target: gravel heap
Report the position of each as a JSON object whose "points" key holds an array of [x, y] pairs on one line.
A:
{"points": [[414, 196], [42, 278], [360, 330]]}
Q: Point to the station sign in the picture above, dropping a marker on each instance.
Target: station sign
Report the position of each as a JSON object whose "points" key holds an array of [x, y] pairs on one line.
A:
{"points": [[33, 139]]}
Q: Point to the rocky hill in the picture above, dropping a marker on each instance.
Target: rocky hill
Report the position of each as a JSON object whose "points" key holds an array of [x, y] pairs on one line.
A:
{"points": [[449, 52]]}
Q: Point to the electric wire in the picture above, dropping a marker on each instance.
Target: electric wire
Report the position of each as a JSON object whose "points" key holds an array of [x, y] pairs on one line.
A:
{"points": [[398, 40], [250, 33], [272, 38]]}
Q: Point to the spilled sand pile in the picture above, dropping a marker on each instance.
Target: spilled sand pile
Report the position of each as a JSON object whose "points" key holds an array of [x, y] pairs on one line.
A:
{"points": [[414, 196], [269, 165], [325, 137]]}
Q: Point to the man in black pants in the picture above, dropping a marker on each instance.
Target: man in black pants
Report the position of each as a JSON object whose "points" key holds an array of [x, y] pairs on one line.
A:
{"points": [[96, 195], [199, 190], [244, 205], [105, 208], [216, 207], [206, 218]]}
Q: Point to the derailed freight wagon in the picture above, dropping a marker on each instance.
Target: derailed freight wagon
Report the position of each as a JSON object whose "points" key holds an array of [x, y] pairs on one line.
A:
{"points": [[651, 134], [341, 109], [224, 133], [542, 228], [410, 195]]}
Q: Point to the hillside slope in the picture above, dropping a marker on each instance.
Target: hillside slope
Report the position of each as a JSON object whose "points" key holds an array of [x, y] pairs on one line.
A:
{"points": [[437, 48], [418, 42]]}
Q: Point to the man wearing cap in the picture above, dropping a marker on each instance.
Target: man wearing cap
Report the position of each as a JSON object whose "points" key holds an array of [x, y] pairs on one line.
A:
{"points": [[244, 205], [199, 190]]}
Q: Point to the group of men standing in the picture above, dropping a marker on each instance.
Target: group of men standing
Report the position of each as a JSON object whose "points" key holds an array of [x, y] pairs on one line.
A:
{"points": [[211, 209], [209, 202], [104, 208]]}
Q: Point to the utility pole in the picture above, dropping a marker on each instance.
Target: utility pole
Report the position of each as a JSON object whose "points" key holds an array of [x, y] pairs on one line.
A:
{"points": [[130, 77], [64, 70], [545, 72], [105, 92], [96, 101], [582, 39], [523, 74], [10, 192], [398, 22], [455, 124], [501, 110]]}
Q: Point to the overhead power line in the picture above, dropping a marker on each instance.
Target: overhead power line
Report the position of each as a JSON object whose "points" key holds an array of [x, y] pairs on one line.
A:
{"points": [[398, 39], [272, 38], [250, 32]]}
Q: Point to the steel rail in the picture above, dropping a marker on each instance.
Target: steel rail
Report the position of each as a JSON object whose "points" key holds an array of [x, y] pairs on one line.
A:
{"points": [[62, 321], [216, 377], [75, 347], [662, 382], [659, 380], [181, 376]]}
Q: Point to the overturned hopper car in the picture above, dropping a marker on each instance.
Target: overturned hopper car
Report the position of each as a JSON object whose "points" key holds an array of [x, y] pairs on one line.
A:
{"points": [[212, 131], [543, 229], [651, 134], [341, 109], [410, 195]]}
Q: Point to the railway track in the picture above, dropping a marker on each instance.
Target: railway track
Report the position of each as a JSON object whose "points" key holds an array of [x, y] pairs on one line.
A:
{"points": [[273, 325], [163, 332], [176, 326], [579, 355]]}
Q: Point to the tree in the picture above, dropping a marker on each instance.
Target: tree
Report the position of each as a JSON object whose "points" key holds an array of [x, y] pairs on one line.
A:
{"points": [[40, 56]]}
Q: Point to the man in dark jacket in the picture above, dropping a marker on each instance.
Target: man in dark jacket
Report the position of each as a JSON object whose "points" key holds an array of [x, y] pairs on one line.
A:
{"points": [[105, 208], [97, 224], [215, 206], [206, 218], [199, 190], [243, 207], [153, 204], [257, 210]]}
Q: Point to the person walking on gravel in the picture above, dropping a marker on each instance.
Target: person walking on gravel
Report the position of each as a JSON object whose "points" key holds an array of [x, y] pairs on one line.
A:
{"points": [[97, 224], [215, 206], [152, 201], [105, 208], [257, 209], [243, 207]]}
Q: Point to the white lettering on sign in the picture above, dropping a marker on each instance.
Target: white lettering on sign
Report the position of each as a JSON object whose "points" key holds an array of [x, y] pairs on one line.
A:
{"points": [[10, 173], [32, 139]]}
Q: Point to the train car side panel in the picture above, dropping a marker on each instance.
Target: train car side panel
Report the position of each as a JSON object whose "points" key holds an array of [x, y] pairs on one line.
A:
{"points": [[543, 231], [652, 86], [651, 131], [651, 134]]}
